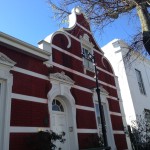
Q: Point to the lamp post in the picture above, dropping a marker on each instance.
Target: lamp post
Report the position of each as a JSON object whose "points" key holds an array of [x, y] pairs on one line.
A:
{"points": [[91, 58]]}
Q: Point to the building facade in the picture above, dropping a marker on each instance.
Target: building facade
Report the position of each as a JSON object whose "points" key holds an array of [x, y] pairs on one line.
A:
{"points": [[133, 73], [53, 87]]}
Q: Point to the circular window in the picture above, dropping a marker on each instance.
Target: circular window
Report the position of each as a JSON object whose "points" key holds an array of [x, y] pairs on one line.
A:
{"points": [[57, 106]]}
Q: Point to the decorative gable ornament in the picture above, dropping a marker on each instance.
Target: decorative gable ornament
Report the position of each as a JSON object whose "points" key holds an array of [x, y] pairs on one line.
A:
{"points": [[85, 40], [61, 77]]}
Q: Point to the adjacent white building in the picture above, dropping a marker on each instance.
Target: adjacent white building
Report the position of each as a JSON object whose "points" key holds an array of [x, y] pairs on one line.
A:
{"points": [[133, 76]]}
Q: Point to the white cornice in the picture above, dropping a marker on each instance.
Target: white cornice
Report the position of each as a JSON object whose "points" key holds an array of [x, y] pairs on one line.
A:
{"points": [[6, 61], [24, 47]]}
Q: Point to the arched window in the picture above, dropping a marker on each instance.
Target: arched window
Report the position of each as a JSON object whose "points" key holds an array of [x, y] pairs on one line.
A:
{"points": [[57, 106]]}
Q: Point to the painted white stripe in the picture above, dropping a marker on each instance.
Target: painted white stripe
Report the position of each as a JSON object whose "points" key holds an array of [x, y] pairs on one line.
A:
{"points": [[27, 129], [87, 130], [19, 129], [66, 52], [29, 98], [98, 68], [114, 113], [81, 74], [118, 132], [82, 88], [76, 57], [85, 108], [113, 98], [83, 28], [31, 73], [80, 41]]}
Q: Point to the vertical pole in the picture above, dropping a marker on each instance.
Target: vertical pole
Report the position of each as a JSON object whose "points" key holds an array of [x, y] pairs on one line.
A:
{"points": [[101, 110]]}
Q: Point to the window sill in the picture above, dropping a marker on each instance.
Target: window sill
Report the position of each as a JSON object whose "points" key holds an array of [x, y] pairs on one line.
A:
{"points": [[89, 69]]}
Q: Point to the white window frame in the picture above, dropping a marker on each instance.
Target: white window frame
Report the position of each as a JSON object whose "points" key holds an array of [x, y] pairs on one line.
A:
{"points": [[88, 64], [110, 137], [6, 81], [86, 45], [140, 82], [98, 122]]}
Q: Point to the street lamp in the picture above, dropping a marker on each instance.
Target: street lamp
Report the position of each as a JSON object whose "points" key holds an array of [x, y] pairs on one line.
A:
{"points": [[91, 58]]}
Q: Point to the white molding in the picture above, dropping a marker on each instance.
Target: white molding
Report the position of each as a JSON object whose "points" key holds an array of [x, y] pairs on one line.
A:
{"points": [[112, 98], [81, 74], [31, 73], [34, 74], [61, 89], [116, 114], [118, 132], [109, 128], [25, 47], [49, 38], [83, 28], [18, 129], [62, 78], [97, 51], [78, 58], [82, 88], [66, 52], [6, 80], [6, 61], [85, 108], [28, 98], [87, 130]]}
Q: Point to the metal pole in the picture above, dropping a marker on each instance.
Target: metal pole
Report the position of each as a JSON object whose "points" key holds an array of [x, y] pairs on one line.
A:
{"points": [[101, 110], [92, 59]]}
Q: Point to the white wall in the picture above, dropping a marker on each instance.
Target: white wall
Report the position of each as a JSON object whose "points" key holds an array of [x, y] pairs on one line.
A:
{"points": [[133, 101]]}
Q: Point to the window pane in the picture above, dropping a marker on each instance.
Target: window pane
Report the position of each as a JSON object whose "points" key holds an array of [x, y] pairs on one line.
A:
{"points": [[98, 114], [57, 106], [140, 81]]}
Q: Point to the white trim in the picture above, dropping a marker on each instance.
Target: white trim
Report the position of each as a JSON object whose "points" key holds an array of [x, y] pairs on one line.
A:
{"points": [[5, 103], [87, 130], [114, 113], [78, 58], [80, 41], [112, 98], [29, 98], [80, 74], [118, 132], [31, 73], [109, 128], [85, 108], [82, 88], [24, 46], [66, 52], [18, 129], [83, 28], [34, 74], [105, 71], [62, 91]]}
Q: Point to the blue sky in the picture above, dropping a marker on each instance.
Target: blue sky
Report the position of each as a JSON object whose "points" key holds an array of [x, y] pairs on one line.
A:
{"points": [[32, 20]]}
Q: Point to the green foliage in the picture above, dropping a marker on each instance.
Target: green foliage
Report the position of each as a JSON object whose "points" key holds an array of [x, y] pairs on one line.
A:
{"points": [[45, 140]]}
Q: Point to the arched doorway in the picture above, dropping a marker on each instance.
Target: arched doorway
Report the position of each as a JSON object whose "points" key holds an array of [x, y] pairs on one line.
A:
{"points": [[61, 85], [60, 122]]}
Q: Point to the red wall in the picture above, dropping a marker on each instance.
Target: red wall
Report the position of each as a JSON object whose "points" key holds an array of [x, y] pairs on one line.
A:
{"points": [[25, 113]]}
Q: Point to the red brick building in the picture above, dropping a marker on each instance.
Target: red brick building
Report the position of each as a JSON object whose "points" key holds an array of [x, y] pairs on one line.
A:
{"points": [[51, 87]]}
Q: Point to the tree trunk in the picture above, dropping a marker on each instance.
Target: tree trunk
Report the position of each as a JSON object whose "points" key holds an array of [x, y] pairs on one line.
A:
{"points": [[145, 25]]}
